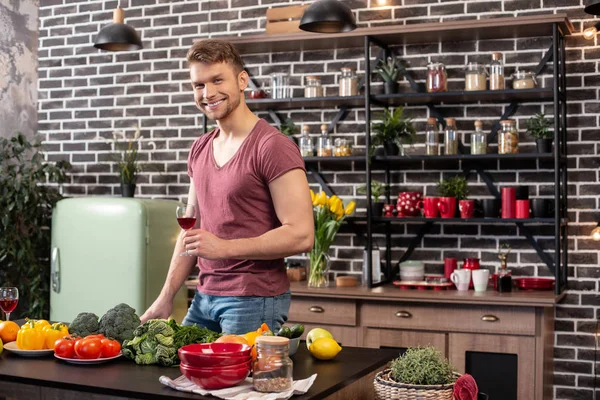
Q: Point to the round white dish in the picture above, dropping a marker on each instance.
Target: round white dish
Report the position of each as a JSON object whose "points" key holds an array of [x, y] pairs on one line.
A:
{"points": [[86, 361], [12, 347]]}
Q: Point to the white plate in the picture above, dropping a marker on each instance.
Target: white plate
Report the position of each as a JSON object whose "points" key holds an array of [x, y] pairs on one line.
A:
{"points": [[12, 347], [87, 361]]}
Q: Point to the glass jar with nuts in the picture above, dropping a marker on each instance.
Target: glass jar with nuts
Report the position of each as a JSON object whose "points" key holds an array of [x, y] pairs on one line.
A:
{"points": [[272, 369]]}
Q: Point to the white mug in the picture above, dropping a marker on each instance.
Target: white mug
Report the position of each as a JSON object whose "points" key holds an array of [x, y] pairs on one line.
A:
{"points": [[461, 278], [480, 279]]}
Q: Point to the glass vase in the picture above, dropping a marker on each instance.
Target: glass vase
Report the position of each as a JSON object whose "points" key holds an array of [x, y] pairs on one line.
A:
{"points": [[318, 276]]}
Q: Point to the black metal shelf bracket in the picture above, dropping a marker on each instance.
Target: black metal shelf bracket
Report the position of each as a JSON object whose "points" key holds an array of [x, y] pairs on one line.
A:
{"points": [[545, 257], [314, 171]]}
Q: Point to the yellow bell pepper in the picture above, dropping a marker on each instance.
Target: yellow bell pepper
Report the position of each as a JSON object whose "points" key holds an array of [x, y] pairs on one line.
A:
{"points": [[41, 323], [31, 339], [54, 332], [30, 324]]}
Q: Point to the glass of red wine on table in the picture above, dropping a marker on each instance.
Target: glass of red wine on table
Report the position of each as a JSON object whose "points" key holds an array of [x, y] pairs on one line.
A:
{"points": [[9, 297], [186, 218]]}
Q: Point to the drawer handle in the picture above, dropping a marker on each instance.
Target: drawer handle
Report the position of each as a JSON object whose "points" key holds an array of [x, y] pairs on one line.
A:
{"points": [[403, 314], [489, 318], [316, 309]]}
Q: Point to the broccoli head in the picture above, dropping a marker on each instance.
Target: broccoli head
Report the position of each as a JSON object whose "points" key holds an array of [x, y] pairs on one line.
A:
{"points": [[119, 323], [84, 324]]}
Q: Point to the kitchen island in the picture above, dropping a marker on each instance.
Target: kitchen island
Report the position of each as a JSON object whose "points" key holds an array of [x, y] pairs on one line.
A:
{"points": [[349, 376]]}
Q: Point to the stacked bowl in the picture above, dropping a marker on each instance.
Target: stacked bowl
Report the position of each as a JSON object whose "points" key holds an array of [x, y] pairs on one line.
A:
{"points": [[215, 365]]}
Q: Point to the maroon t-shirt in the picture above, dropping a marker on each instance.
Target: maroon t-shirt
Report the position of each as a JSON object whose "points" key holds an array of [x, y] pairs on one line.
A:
{"points": [[235, 203]]}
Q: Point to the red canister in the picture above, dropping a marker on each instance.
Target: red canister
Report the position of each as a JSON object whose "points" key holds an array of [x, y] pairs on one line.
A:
{"points": [[450, 265], [509, 202]]}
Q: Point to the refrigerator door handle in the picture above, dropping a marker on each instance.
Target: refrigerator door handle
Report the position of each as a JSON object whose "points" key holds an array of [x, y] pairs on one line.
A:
{"points": [[55, 270]]}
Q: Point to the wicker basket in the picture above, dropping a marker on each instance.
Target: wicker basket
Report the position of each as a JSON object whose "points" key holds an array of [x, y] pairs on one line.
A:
{"points": [[387, 389]]}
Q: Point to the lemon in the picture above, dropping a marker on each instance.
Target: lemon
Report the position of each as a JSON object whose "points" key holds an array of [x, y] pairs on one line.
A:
{"points": [[324, 348]]}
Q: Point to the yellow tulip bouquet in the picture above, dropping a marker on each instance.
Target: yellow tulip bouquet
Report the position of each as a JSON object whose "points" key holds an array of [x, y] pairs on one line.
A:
{"points": [[329, 213]]}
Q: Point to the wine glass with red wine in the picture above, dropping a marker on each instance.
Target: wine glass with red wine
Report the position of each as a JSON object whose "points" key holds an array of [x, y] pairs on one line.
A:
{"points": [[186, 218], [9, 297]]}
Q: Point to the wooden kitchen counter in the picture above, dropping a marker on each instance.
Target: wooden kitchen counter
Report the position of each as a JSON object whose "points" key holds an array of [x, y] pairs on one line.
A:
{"points": [[349, 376]]}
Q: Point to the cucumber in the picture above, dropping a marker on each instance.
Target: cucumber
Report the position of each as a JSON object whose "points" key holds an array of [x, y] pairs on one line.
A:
{"points": [[297, 331], [285, 332]]}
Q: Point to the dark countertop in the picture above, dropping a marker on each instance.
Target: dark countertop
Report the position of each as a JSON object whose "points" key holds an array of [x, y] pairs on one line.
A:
{"points": [[125, 378]]}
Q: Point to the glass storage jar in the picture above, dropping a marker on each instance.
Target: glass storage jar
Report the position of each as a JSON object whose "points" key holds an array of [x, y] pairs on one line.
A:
{"points": [[523, 80], [272, 369], [280, 87], [508, 138], [306, 143], [348, 82], [313, 87], [450, 137], [496, 72], [432, 137], [324, 146], [342, 148], [475, 77], [478, 139], [437, 78]]}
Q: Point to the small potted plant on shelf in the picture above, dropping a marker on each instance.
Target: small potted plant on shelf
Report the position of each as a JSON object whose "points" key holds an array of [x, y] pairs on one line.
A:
{"points": [[420, 373], [389, 71], [289, 128], [393, 133], [452, 190], [377, 189], [539, 128]]}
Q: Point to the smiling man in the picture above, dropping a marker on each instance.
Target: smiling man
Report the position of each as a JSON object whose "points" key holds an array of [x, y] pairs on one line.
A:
{"points": [[253, 206]]}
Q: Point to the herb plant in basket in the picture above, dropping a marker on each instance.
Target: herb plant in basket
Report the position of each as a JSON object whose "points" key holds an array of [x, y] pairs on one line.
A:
{"points": [[539, 128], [421, 372]]}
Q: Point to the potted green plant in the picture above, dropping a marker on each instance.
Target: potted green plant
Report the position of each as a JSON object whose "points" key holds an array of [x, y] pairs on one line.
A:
{"points": [[289, 128], [126, 158], [421, 372], [27, 201], [389, 71], [393, 133], [377, 189], [451, 190], [539, 128]]}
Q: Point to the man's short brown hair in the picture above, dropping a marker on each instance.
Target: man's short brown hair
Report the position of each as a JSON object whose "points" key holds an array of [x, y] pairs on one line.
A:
{"points": [[213, 51]]}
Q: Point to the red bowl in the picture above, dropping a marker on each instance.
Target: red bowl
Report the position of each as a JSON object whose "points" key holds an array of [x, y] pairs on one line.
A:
{"points": [[217, 349], [215, 378], [188, 355]]}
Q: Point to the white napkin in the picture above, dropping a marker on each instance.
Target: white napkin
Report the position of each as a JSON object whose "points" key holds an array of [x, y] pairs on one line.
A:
{"points": [[242, 391]]}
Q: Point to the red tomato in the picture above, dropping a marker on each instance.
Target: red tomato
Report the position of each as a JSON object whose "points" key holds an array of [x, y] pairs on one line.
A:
{"points": [[110, 348], [88, 348], [98, 336], [64, 347]]}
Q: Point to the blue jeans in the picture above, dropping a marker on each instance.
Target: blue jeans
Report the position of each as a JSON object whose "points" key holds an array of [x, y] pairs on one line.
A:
{"points": [[238, 314]]}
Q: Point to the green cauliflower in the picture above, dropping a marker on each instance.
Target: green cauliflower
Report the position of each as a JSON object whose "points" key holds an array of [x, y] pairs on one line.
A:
{"points": [[119, 323], [84, 324]]}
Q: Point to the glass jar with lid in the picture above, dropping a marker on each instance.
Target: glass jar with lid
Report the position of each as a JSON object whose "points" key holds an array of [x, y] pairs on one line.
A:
{"points": [[475, 77], [280, 86], [508, 137], [437, 78], [342, 148], [496, 72], [432, 137], [450, 137], [324, 146], [478, 139], [272, 369], [523, 80], [348, 82], [313, 87], [306, 143]]}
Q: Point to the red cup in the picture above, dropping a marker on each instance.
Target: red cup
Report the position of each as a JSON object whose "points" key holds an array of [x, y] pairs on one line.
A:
{"points": [[450, 264], [467, 208], [408, 204], [447, 206], [522, 209], [388, 210], [429, 206], [509, 202]]}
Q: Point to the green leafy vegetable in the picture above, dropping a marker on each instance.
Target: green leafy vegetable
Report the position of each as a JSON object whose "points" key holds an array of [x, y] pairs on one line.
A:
{"points": [[422, 366]]}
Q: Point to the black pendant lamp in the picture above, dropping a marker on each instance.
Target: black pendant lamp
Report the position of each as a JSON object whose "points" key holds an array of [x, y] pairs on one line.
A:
{"points": [[118, 36], [592, 7], [328, 16]]}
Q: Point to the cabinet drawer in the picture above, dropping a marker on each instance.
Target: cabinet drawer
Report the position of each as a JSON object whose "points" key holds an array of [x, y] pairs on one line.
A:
{"points": [[323, 311], [455, 318]]}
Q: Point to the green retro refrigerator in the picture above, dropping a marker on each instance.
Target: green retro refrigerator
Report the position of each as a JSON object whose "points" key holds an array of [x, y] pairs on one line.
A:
{"points": [[107, 251]]}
